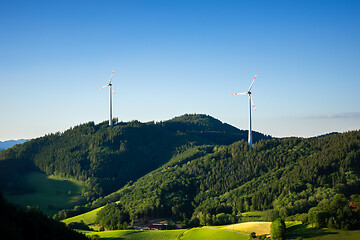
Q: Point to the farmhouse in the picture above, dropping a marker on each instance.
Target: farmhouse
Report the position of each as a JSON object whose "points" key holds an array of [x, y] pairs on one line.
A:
{"points": [[158, 226]]}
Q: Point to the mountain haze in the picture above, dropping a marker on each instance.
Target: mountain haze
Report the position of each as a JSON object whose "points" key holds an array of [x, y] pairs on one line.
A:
{"points": [[10, 143]]}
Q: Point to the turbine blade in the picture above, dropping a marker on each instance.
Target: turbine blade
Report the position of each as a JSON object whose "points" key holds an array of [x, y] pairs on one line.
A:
{"points": [[244, 93], [112, 74], [252, 102], [113, 91], [103, 86], [252, 83]]}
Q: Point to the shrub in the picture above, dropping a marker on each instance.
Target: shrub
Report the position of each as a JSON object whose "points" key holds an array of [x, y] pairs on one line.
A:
{"points": [[79, 225], [278, 229]]}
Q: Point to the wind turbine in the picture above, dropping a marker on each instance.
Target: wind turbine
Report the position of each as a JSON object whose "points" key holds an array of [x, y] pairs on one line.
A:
{"points": [[110, 101], [250, 103]]}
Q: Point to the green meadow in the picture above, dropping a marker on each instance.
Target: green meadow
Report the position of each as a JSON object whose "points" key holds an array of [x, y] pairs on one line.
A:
{"points": [[51, 193], [218, 234], [230, 232], [138, 235], [338, 235], [294, 231], [212, 234], [301, 230], [252, 216], [183, 234], [88, 218], [260, 228]]}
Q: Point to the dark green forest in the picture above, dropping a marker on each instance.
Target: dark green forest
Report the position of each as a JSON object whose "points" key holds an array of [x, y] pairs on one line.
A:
{"points": [[196, 170], [18, 223], [108, 158], [208, 184]]}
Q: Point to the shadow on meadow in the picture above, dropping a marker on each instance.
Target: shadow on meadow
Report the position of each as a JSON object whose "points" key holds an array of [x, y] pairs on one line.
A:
{"points": [[305, 232], [110, 238], [128, 235]]}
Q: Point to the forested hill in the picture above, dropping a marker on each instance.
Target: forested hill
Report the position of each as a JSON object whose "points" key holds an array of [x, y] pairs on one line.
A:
{"points": [[17, 223], [288, 175], [109, 157]]}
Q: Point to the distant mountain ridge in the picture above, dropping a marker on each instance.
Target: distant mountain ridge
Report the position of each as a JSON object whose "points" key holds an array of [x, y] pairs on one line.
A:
{"points": [[10, 143]]}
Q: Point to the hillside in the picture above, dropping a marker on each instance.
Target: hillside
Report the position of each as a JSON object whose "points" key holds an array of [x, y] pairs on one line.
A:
{"points": [[213, 184], [107, 158], [18, 223], [191, 169]]}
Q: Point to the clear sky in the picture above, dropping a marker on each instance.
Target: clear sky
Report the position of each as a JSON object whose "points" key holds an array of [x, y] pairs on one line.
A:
{"points": [[173, 57]]}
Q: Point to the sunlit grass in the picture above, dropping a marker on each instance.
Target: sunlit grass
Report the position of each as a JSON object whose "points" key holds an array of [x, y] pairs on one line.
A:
{"points": [[88, 218], [259, 228], [254, 216], [292, 223], [212, 234], [138, 235]]}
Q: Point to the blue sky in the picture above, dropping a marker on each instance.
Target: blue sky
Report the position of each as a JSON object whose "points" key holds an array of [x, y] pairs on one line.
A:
{"points": [[180, 56]]}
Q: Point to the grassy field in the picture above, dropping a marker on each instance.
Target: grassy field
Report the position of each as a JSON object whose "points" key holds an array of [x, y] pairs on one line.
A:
{"points": [[208, 233], [239, 231], [308, 233], [338, 235], [231, 232], [51, 193], [138, 235], [88, 218], [254, 216], [259, 228], [212, 234], [182, 234]]}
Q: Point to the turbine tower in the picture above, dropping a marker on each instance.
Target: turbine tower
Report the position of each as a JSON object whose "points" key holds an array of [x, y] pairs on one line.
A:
{"points": [[250, 103], [110, 98]]}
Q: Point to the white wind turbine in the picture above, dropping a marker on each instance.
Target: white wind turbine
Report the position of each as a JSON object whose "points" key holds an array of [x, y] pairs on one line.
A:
{"points": [[250, 102], [110, 101]]}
